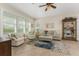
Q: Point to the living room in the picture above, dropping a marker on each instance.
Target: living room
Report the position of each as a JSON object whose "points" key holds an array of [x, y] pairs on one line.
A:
{"points": [[35, 30]]}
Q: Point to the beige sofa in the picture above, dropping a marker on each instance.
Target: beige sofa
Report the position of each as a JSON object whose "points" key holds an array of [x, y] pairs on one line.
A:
{"points": [[52, 35]]}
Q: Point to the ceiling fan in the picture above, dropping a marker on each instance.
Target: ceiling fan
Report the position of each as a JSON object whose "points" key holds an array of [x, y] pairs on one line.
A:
{"points": [[48, 5]]}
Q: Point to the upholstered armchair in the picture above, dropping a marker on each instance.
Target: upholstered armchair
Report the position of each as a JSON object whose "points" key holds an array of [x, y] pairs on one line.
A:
{"points": [[16, 41]]}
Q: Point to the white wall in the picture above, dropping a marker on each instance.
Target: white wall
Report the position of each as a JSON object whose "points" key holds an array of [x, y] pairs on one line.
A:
{"points": [[57, 20], [78, 29], [1, 24]]}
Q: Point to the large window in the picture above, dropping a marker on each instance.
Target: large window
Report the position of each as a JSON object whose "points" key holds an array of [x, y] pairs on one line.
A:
{"points": [[30, 28], [8, 23], [21, 25], [26, 26]]}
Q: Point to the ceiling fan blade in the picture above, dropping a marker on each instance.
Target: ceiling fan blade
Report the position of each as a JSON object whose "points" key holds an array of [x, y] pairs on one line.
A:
{"points": [[42, 5], [53, 6], [46, 9]]}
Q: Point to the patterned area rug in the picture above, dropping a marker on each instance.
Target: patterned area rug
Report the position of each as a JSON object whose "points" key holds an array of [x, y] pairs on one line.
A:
{"points": [[60, 49]]}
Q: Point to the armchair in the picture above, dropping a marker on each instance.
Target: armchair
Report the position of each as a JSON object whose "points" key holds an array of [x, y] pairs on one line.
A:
{"points": [[16, 41]]}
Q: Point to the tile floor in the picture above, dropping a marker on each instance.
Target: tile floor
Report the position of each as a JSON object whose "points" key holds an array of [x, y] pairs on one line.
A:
{"points": [[62, 48]]}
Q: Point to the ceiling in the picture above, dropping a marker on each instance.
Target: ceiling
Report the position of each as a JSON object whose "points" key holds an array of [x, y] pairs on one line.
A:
{"points": [[33, 9]]}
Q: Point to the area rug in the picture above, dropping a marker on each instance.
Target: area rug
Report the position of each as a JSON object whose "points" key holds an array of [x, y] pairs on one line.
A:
{"points": [[44, 44], [60, 49]]}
